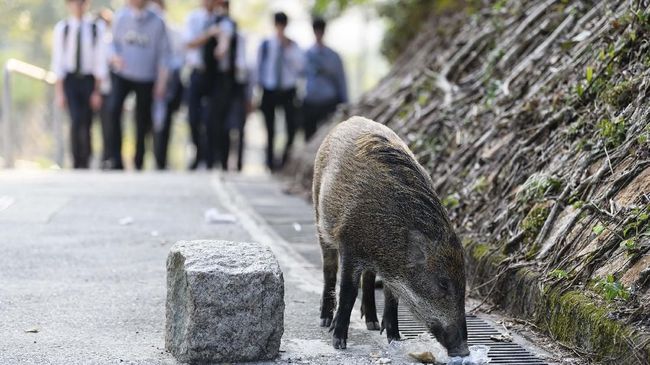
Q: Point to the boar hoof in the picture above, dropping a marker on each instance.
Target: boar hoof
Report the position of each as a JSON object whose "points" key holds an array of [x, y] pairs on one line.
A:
{"points": [[372, 326], [393, 338], [325, 322], [339, 343]]}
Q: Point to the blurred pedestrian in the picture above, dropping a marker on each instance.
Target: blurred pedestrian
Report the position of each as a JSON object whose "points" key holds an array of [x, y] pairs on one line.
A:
{"points": [[198, 32], [78, 62], [164, 109], [106, 15], [140, 55], [241, 100], [280, 63], [220, 66], [326, 86]]}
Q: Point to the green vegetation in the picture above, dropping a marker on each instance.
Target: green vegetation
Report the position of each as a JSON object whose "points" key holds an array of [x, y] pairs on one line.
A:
{"points": [[611, 289], [634, 227], [630, 245], [451, 201], [598, 229], [573, 317], [404, 17], [531, 225], [612, 132], [619, 96], [481, 185], [559, 274], [537, 186]]}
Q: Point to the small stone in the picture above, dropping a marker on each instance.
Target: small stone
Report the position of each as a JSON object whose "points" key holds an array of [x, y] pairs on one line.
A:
{"points": [[225, 302]]}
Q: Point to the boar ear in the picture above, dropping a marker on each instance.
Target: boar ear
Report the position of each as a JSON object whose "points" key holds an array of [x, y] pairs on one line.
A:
{"points": [[417, 242]]}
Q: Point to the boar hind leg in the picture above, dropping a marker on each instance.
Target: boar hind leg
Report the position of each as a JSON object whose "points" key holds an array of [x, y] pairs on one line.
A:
{"points": [[389, 321], [368, 308], [350, 277], [328, 300]]}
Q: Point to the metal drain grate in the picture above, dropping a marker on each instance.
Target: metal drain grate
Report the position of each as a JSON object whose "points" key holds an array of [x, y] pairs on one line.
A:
{"points": [[478, 333]]}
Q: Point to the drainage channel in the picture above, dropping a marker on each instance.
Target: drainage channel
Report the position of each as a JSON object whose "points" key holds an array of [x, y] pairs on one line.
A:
{"points": [[478, 333], [292, 219]]}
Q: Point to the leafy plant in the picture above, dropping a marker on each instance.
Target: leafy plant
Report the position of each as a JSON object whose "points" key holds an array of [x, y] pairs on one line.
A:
{"points": [[632, 229], [451, 201], [559, 274], [537, 186], [590, 74], [630, 245], [612, 132], [598, 229], [611, 289]]}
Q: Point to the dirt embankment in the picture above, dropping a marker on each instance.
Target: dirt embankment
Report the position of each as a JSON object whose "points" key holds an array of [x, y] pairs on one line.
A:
{"points": [[533, 119]]}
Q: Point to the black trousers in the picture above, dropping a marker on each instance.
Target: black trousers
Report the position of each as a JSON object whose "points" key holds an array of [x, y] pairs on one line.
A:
{"points": [[199, 89], [77, 89], [216, 122], [237, 120], [272, 99], [106, 118], [173, 101], [144, 98], [314, 114]]}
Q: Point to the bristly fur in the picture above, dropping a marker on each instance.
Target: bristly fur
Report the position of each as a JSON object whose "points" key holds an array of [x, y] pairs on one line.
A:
{"points": [[409, 179]]}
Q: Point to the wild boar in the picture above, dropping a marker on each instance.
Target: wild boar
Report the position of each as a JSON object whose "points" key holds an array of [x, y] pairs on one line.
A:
{"points": [[377, 213]]}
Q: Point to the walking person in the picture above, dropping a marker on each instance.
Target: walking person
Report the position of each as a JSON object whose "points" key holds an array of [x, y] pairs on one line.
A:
{"points": [[106, 15], [199, 31], [326, 86], [280, 63], [221, 67], [241, 101], [78, 62], [164, 109], [140, 56]]}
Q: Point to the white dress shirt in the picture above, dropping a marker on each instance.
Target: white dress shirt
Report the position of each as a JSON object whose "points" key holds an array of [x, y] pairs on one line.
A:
{"points": [[293, 63], [64, 50]]}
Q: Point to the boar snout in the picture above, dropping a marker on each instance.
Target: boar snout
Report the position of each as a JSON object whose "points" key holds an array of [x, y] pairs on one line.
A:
{"points": [[454, 338]]}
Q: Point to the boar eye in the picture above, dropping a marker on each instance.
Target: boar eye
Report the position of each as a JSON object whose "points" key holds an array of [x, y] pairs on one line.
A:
{"points": [[444, 284]]}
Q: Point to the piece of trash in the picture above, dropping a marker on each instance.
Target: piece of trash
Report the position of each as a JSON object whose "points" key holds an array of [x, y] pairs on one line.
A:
{"points": [[426, 348], [297, 227], [213, 216], [32, 330], [423, 357], [126, 221], [155, 234], [383, 360], [501, 338]]}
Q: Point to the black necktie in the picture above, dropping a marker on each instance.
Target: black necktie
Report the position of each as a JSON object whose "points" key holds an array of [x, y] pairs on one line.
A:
{"points": [[78, 59]]}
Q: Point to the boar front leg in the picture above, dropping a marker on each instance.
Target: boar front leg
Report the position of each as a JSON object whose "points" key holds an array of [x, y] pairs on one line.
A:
{"points": [[368, 308], [350, 277], [328, 300], [389, 321]]}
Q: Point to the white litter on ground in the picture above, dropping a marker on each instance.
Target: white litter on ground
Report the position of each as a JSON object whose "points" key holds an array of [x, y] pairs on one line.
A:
{"points": [[297, 227], [126, 221], [213, 216], [426, 348]]}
